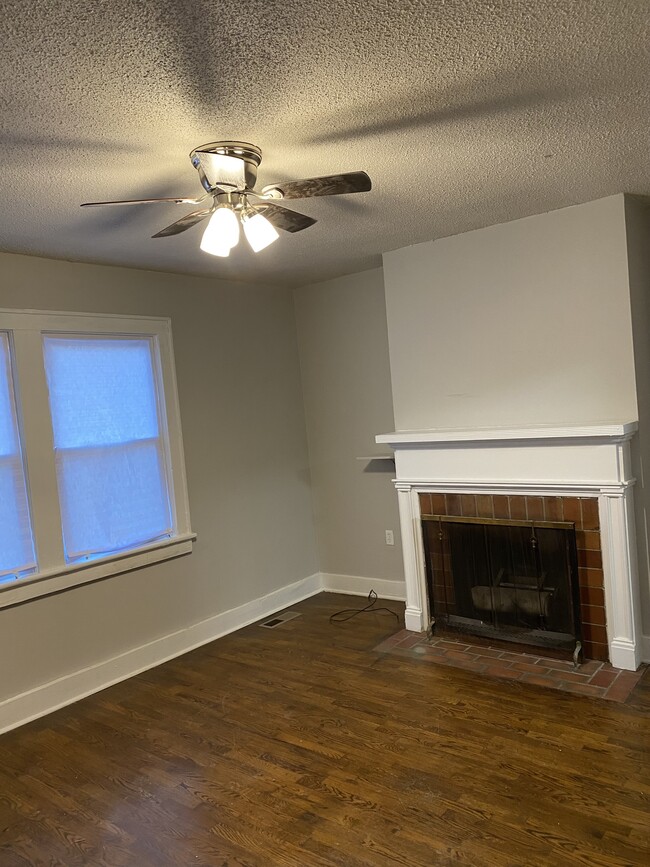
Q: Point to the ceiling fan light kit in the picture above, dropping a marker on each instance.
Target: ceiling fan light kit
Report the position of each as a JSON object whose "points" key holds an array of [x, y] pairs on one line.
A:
{"points": [[228, 173], [258, 230], [221, 233]]}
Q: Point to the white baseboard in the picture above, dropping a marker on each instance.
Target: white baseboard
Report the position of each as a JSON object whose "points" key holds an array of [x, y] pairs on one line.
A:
{"points": [[355, 585], [34, 703]]}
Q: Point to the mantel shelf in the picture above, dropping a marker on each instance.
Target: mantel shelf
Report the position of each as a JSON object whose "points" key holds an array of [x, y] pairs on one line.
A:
{"points": [[441, 436]]}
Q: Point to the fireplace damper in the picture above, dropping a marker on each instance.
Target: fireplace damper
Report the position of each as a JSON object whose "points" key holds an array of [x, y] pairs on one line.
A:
{"points": [[504, 579]]}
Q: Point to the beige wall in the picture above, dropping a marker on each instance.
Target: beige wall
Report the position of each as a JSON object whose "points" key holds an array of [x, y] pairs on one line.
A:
{"points": [[637, 217], [347, 396], [522, 323], [246, 458]]}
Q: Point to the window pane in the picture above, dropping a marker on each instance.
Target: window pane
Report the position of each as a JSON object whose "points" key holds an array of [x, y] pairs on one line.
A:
{"points": [[111, 470], [16, 543], [101, 390], [112, 498]]}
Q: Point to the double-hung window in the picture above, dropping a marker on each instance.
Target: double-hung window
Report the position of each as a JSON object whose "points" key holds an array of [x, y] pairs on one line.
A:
{"points": [[17, 557], [110, 457], [92, 478]]}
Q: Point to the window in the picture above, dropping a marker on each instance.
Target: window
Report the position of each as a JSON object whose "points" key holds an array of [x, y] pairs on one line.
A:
{"points": [[110, 461], [88, 405], [16, 544]]}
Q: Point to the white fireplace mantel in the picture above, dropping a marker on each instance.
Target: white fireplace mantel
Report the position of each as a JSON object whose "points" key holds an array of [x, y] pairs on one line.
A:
{"points": [[604, 431], [583, 461]]}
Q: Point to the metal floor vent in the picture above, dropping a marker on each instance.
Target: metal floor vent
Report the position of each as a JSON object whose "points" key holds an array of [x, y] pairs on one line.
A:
{"points": [[279, 619]]}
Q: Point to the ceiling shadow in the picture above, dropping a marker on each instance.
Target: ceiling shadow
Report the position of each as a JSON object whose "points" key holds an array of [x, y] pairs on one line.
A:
{"points": [[354, 203], [189, 32], [418, 110], [50, 142]]}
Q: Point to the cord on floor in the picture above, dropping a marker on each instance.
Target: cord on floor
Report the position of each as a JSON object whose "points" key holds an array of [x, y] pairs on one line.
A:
{"points": [[349, 613]]}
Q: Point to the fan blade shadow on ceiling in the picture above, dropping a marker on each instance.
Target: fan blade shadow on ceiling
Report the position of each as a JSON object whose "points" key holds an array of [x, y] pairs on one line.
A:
{"points": [[187, 55], [411, 112], [59, 143], [213, 52], [351, 205]]}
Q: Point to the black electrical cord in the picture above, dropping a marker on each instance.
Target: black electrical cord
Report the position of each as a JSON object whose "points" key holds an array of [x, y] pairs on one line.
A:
{"points": [[349, 613]]}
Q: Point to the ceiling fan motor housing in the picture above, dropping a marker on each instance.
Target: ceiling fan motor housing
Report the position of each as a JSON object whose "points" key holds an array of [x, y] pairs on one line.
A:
{"points": [[229, 164]]}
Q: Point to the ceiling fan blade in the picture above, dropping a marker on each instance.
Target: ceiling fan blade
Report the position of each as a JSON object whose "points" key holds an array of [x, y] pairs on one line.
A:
{"points": [[184, 223], [178, 201], [332, 185], [283, 218]]}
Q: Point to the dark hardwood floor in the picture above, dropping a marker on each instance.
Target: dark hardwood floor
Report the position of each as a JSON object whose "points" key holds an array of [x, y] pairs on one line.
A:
{"points": [[301, 746]]}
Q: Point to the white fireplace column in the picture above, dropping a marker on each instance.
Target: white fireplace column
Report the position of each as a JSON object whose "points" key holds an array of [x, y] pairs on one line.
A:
{"points": [[591, 461], [417, 606], [622, 598]]}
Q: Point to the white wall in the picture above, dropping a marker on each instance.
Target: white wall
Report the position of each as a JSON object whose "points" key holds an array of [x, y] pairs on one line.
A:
{"points": [[522, 323], [246, 457], [347, 395], [637, 218]]}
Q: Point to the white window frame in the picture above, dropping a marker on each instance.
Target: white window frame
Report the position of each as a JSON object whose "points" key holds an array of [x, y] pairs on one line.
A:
{"points": [[53, 574]]}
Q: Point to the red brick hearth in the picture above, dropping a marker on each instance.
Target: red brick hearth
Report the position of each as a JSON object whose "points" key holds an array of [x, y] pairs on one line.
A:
{"points": [[592, 678], [582, 511]]}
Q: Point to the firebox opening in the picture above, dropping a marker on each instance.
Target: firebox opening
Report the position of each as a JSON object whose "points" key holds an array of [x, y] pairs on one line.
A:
{"points": [[504, 579]]}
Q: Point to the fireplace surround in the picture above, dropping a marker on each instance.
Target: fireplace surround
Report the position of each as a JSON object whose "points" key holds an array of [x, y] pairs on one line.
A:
{"points": [[588, 468], [550, 594]]}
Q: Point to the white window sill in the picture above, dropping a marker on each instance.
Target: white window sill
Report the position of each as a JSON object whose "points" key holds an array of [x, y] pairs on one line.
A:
{"points": [[63, 578]]}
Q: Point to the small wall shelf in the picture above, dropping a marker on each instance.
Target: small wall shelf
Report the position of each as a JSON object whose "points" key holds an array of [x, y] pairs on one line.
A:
{"points": [[376, 458]]}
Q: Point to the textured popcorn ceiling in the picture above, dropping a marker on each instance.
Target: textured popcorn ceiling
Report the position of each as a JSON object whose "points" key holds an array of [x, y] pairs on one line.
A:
{"points": [[464, 114]]}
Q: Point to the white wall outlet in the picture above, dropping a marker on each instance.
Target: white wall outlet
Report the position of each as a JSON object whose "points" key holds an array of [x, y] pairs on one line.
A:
{"points": [[390, 537]]}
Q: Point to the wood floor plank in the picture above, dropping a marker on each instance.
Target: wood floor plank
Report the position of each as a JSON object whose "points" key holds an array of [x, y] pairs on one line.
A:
{"points": [[302, 747]]}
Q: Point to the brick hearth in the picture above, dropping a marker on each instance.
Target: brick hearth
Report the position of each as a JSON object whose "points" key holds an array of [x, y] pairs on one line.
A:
{"points": [[593, 678]]}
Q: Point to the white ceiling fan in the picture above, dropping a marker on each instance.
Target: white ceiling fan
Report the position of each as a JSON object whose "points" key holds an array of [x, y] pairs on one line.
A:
{"points": [[228, 173]]}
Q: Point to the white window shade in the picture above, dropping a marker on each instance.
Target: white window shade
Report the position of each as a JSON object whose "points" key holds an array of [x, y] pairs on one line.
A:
{"points": [[111, 455], [16, 544]]}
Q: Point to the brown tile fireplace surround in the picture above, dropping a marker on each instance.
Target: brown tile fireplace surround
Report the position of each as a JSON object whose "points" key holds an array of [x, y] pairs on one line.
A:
{"points": [[583, 512], [580, 476]]}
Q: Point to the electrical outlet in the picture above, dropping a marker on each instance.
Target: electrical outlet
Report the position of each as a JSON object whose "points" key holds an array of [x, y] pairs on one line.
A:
{"points": [[390, 537]]}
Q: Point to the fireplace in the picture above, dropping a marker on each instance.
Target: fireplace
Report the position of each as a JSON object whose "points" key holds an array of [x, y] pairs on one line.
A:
{"points": [[577, 516], [572, 475], [505, 580]]}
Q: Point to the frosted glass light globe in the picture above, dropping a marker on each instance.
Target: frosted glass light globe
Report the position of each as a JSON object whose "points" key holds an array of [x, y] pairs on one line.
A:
{"points": [[221, 233], [259, 232]]}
